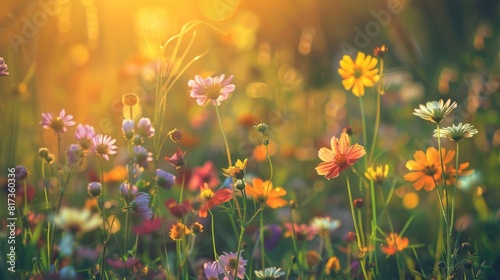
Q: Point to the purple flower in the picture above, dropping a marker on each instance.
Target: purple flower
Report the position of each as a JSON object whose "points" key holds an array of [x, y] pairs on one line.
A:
{"points": [[142, 156], [213, 270], [103, 146], [128, 190], [84, 135], [58, 124], [164, 179], [94, 189], [74, 154], [145, 128], [120, 264], [228, 261], [141, 206], [128, 129], [3, 68], [214, 89], [21, 172]]}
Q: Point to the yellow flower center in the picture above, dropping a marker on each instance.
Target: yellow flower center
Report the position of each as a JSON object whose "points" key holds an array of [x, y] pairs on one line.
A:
{"points": [[340, 160], [213, 91], [206, 194]]}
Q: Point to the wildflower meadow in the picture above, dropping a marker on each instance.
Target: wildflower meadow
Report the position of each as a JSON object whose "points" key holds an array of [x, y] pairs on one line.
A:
{"points": [[239, 139]]}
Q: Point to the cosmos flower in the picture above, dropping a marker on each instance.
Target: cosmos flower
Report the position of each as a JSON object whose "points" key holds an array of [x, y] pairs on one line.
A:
{"points": [[204, 174], [102, 145], [358, 74], [141, 206], [263, 192], [377, 174], [148, 226], [395, 244], [451, 174], [178, 210], [324, 226], [77, 220], [178, 231], [228, 261], [269, 273], [84, 135], [213, 89], [59, 123], [209, 198], [425, 170], [435, 111], [456, 133], [177, 159], [339, 157]]}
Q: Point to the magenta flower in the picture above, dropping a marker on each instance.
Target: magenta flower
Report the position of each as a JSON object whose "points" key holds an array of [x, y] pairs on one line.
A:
{"points": [[228, 261], [3, 68], [103, 146], [84, 135], [59, 123], [205, 174], [214, 89], [141, 206], [177, 159]]}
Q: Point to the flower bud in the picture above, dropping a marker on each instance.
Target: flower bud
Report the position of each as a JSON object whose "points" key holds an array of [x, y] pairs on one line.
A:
{"points": [[128, 128], [175, 135], [94, 189], [145, 128], [239, 184], [358, 203], [21, 172], [164, 179], [43, 153], [138, 140]]}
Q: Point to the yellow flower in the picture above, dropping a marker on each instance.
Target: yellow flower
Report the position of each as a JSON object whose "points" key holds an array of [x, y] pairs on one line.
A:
{"points": [[377, 174], [237, 171], [178, 231], [77, 220], [333, 263], [358, 74], [395, 243]]}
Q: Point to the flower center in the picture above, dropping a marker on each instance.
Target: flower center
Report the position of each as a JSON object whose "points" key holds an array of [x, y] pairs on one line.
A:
{"points": [[357, 73], [57, 124], [232, 264], [430, 170], [207, 194], [85, 143], [212, 91], [340, 160], [101, 149]]}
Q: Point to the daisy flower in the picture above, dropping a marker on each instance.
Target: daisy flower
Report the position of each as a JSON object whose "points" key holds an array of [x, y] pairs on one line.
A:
{"points": [[269, 273], [325, 225], [339, 157], [213, 89], [209, 199], [456, 133], [77, 220], [59, 123], [435, 111], [212, 270], [358, 74], [103, 146], [84, 135], [263, 192], [228, 261], [141, 206]]}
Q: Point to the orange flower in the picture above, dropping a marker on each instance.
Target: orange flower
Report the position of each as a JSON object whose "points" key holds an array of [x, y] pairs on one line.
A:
{"points": [[209, 198], [178, 231], [395, 244], [339, 157], [263, 192], [450, 173], [426, 169], [359, 73]]}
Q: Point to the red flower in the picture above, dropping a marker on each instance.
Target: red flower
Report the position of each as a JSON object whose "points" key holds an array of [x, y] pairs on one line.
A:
{"points": [[178, 210], [209, 199], [148, 226], [205, 174], [177, 159]]}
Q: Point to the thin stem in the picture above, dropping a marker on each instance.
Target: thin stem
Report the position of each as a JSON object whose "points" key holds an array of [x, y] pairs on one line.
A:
{"points": [[216, 257], [377, 120], [363, 123], [228, 152], [454, 190], [59, 147], [238, 251], [261, 235]]}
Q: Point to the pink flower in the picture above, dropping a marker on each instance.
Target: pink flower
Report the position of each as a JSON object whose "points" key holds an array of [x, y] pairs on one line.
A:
{"points": [[228, 261], [214, 89], [119, 264], [58, 124], [148, 226], [177, 159], [205, 174], [84, 135], [103, 146], [339, 157], [302, 231]]}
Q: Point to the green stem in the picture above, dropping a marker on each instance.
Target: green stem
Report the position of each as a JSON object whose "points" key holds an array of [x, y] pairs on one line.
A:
{"points": [[356, 229], [238, 251], [454, 190], [363, 123], [262, 247], [216, 257], [377, 124], [228, 152]]}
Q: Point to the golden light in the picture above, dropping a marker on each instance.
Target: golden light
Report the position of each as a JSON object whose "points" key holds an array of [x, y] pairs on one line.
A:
{"points": [[411, 200]]}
